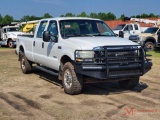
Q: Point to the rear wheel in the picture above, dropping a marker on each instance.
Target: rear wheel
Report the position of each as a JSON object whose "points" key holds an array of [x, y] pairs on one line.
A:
{"points": [[72, 82], [150, 46], [26, 65], [129, 84]]}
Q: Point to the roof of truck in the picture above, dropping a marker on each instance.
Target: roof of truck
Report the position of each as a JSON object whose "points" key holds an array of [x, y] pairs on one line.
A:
{"points": [[70, 18]]}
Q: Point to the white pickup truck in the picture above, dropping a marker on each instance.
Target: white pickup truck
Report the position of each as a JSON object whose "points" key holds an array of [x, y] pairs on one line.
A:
{"points": [[129, 29], [81, 49]]}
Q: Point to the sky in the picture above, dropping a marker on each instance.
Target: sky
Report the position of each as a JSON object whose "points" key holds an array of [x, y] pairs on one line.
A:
{"points": [[20, 8]]}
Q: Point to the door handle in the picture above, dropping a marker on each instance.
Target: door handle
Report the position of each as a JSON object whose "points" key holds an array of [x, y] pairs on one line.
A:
{"points": [[33, 43], [42, 44]]}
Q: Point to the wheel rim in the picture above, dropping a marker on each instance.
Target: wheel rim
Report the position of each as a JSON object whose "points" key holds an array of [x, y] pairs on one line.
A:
{"points": [[23, 64], [10, 44], [67, 78], [150, 46]]}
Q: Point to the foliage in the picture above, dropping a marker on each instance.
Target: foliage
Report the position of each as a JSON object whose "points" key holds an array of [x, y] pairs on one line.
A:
{"points": [[7, 19]]}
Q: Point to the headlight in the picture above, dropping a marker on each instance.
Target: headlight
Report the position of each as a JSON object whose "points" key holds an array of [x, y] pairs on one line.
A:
{"points": [[84, 54]]}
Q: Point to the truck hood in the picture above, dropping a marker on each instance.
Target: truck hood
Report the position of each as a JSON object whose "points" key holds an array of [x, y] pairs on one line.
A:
{"points": [[14, 33], [88, 43], [145, 34]]}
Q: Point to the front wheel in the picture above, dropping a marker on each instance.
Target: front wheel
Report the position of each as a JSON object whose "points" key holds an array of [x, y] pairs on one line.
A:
{"points": [[149, 46], [129, 84], [11, 44], [72, 82]]}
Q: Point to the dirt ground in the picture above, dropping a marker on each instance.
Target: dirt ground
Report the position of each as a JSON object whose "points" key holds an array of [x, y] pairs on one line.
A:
{"points": [[40, 96]]}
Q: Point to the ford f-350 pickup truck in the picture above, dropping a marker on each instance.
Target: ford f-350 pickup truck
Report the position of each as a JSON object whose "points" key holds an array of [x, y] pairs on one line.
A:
{"points": [[76, 49]]}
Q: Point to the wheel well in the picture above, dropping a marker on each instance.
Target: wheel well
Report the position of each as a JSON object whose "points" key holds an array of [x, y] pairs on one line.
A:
{"points": [[8, 41], [151, 40], [21, 49], [65, 59]]}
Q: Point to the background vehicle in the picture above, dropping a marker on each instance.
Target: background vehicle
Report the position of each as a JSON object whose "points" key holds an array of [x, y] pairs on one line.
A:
{"points": [[8, 35], [147, 39], [129, 29], [76, 49], [134, 28]]}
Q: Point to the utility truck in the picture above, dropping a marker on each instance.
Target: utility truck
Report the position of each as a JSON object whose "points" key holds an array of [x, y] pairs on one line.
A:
{"points": [[8, 34], [80, 50]]}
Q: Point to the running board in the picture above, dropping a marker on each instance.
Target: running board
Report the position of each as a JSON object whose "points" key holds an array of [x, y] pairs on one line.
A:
{"points": [[46, 70]]}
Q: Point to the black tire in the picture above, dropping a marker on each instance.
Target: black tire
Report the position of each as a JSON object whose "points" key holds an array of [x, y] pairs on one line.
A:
{"points": [[149, 46], [26, 65], [129, 84], [72, 82], [11, 44]]}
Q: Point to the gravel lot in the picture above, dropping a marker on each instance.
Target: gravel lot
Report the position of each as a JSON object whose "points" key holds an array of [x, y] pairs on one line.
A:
{"points": [[40, 96]]}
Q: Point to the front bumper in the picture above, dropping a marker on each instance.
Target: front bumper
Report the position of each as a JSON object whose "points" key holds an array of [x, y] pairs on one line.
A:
{"points": [[102, 72], [119, 63]]}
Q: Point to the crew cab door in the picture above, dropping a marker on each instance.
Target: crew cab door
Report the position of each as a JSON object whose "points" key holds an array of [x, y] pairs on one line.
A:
{"points": [[137, 29], [38, 52], [128, 30], [51, 49]]}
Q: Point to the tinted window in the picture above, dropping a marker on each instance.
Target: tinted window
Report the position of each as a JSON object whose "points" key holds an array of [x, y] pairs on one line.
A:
{"points": [[119, 27], [136, 26], [151, 30], [52, 28], [75, 28], [41, 29]]}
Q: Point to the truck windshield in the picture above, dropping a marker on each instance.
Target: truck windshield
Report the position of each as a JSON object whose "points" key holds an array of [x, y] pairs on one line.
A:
{"points": [[81, 28], [14, 29], [151, 30], [119, 27]]}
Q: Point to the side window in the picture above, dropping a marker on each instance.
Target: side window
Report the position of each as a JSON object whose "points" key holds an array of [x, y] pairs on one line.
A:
{"points": [[4, 30], [130, 27], [136, 26], [52, 28], [41, 29], [126, 28]]}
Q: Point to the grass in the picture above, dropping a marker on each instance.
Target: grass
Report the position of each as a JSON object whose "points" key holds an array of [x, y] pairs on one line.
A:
{"points": [[154, 54], [4, 48]]}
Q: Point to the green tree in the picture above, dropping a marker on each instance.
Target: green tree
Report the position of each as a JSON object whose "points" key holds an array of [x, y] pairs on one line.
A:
{"points": [[1, 18], [110, 16], [47, 15], [7, 19], [83, 14], [122, 17], [93, 15], [29, 18], [152, 15], [102, 16]]}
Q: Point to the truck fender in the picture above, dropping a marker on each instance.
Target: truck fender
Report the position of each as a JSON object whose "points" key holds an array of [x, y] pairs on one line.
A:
{"points": [[152, 39]]}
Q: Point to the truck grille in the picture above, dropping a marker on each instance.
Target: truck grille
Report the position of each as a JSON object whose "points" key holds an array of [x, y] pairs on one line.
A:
{"points": [[124, 61]]}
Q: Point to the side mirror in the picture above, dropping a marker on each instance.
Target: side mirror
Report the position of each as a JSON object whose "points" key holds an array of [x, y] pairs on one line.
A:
{"points": [[121, 34], [48, 37]]}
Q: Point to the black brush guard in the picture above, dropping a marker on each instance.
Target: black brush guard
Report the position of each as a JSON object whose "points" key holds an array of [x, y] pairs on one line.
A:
{"points": [[114, 62]]}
